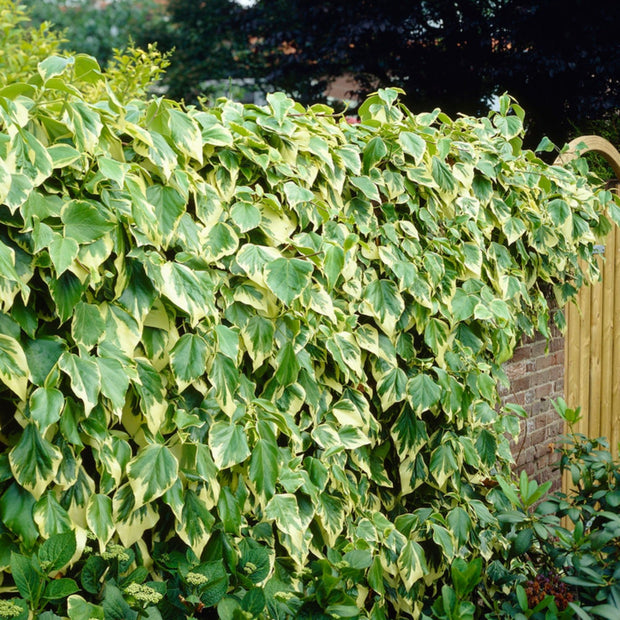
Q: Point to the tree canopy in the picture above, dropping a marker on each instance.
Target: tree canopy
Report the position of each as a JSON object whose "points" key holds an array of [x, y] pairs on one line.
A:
{"points": [[559, 59]]}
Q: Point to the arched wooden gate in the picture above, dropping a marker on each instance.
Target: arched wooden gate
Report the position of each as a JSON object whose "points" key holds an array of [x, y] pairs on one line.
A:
{"points": [[592, 346]]}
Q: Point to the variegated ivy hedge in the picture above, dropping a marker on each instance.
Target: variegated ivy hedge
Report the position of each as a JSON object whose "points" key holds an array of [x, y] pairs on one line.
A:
{"points": [[266, 336]]}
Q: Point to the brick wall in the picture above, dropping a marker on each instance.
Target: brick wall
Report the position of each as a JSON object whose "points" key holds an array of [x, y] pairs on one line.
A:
{"points": [[536, 378]]}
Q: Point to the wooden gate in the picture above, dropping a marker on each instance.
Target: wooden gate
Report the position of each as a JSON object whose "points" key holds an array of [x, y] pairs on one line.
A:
{"points": [[592, 348]]}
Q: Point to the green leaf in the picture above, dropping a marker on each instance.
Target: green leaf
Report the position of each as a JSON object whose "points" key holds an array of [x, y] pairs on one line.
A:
{"points": [[99, 517], [424, 393], [79, 609], [16, 506], [196, 522], [217, 582], [151, 473], [57, 550], [63, 155], [346, 352], [280, 105], [509, 126], [229, 511], [186, 134], [114, 605], [34, 461], [53, 66], [228, 443], [443, 464], [227, 341], [50, 516], [296, 194], [28, 580], [88, 324], [84, 377], [224, 375], [60, 589], [460, 523], [411, 563], [374, 152], [114, 382], [443, 175], [367, 187], [188, 357], [86, 125], [288, 366], [287, 278], [14, 370], [283, 509], [486, 446], [384, 302], [263, 469], [257, 335], [191, 291], [412, 144], [46, 405], [169, 208], [245, 215], [85, 221]]}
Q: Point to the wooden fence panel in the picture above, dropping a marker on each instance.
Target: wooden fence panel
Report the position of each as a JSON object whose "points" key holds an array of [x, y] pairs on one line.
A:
{"points": [[592, 358], [592, 362]]}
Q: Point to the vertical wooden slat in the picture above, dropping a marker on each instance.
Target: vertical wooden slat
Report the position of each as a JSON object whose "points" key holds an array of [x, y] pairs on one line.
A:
{"points": [[583, 351], [615, 366], [607, 336], [595, 354]]}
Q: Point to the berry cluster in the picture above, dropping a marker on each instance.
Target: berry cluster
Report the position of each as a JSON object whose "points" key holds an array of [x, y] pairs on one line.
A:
{"points": [[544, 585]]}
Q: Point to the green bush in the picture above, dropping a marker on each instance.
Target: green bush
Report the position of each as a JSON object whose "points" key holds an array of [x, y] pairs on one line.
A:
{"points": [[569, 543], [249, 355], [97, 28]]}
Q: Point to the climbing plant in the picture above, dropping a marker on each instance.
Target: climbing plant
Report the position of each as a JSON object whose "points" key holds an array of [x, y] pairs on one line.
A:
{"points": [[254, 351]]}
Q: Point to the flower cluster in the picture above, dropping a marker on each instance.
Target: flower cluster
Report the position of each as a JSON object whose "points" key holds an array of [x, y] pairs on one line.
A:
{"points": [[543, 585]]}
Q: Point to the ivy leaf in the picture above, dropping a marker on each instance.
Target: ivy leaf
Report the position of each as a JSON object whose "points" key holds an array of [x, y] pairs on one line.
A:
{"points": [[13, 366], [228, 443], [245, 215], [283, 509], [287, 278], [263, 470], [34, 461], [411, 563], [374, 152], [188, 357], [196, 522], [224, 375], [442, 175], [257, 335], [85, 221], [423, 392], [46, 405], [99, 517], [16, 506], [384, 302], [412, 144], [63, 251], [84, 377], [288, 366], [151, 473], [443, 464], [50, 516]]}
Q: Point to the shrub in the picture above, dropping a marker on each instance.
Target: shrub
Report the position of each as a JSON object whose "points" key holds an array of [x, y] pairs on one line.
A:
{"points": [[253, 351], [570, 542]]}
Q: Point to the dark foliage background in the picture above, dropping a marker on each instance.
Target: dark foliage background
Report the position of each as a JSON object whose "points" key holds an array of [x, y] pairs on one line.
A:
{"points": [[559, 58]]}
